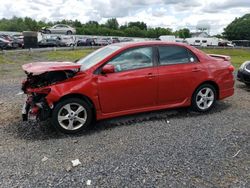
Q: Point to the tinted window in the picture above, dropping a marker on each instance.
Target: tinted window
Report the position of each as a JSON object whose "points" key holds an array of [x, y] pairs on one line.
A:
{"points": [[133, 59], [175, 55]]}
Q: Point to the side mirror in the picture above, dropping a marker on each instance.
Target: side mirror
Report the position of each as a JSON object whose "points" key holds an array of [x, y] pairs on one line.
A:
{"points": [[108, 69]]}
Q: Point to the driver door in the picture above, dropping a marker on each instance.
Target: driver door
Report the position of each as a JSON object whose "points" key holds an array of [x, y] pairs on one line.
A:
{"points": [[133, 85]]}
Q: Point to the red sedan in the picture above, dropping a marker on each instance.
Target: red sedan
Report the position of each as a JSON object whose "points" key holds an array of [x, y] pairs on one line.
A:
{"points": [[125, 78]]}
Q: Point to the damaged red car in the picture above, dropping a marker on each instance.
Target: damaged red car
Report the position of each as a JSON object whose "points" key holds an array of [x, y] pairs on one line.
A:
{"points": [[125, 78]]}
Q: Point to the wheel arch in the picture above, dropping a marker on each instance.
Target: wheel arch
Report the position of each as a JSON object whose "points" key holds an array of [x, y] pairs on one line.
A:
{"points": [[69, 32], [80, 96], [210, 82]]}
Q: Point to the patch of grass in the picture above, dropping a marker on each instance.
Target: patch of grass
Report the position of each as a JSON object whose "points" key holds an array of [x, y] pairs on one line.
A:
{"points": [[10, 63], [238, 56], [71, 55]]}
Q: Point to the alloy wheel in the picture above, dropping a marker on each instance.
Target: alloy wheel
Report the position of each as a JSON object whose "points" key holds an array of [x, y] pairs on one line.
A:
{"points": [[72, 116], [205, 98]]}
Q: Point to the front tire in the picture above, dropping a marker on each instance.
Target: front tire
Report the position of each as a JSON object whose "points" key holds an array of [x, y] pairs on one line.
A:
{"points": [[204, 98], [72, 116]]}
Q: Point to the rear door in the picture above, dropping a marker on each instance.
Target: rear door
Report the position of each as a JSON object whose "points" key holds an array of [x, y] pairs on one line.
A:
{"points": [[179, 73], [134, 83]]}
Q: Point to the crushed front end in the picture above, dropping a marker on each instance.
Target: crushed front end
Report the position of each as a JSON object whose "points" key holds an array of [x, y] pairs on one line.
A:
{"points": [[37, 88], [36, 106]]}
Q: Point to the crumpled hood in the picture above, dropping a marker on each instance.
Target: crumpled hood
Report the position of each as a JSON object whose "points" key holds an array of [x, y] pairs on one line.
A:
{"points": [[42, 67]]}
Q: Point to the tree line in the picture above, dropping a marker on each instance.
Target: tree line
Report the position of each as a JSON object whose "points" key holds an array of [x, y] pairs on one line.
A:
{"points": [[239, 29], [110, 28]]}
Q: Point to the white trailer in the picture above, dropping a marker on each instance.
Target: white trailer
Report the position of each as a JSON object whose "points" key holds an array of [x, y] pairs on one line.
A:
{"points": [[167, 38], [198, 41]]}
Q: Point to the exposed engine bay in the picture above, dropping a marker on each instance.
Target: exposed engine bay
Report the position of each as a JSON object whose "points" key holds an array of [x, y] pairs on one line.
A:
{"points": [[46, 79], [35, 86]]}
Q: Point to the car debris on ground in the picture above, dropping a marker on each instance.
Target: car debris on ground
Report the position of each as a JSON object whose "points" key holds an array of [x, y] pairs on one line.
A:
{"points": [[75, 162], [44, 159]]}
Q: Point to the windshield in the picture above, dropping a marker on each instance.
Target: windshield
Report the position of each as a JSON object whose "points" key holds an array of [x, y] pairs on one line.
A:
{"points": [[95, 57]]}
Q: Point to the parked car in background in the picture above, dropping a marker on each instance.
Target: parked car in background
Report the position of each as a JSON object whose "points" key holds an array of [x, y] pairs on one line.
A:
{"points": [[167, 38], [19, 39], [59, 29], [86, 42], [126, 39], [68, 40], [6, 37], [102, 41], [15, 43], [51, 42], [243, 74], [226, 44], [125, 78], [5, 44], [113, 40]]}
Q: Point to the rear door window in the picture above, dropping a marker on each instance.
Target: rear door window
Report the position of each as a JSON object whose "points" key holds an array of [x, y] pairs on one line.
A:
{"points": [[175, 55]]}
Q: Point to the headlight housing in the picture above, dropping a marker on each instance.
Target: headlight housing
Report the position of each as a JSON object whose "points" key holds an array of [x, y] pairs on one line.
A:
{"points": [[242, 67]]}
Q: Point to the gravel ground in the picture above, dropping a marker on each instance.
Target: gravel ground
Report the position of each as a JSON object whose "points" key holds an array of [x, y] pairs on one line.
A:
{"points": [[169, 148]]}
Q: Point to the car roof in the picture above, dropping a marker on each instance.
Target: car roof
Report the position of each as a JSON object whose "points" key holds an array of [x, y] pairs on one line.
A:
{"points": [[147, 43]]}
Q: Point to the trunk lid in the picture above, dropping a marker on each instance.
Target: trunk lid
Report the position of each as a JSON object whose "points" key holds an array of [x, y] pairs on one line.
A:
{"points": [[42, 67]]}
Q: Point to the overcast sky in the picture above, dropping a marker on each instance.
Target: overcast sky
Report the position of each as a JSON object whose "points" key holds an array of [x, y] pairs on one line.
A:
{"points": [[164, 13]]}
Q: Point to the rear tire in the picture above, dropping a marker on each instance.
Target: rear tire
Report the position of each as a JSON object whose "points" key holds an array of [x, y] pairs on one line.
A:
{"points": [[204, 98], [72, 115]]}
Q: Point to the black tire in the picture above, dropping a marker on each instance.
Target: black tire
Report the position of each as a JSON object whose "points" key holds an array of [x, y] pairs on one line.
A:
{"points": [[69, 33], [198, 107], [247, 84], [48, 32], [60, 108]]}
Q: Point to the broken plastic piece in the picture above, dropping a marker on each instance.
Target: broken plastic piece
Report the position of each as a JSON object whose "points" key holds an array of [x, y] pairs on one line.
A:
{"points": [[75, 162]]}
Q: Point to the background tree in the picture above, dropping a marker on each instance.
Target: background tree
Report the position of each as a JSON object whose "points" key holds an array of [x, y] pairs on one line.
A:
{"points": [[112, 23], [239, 29], [183, 33], [110, 28], [140, 25]]}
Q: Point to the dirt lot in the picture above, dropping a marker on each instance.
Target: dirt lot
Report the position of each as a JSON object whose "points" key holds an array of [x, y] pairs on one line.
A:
{"points": [[169, 148]]}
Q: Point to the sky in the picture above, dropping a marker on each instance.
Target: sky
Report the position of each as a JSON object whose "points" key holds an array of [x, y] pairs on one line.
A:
{"points": [[175, 14]]}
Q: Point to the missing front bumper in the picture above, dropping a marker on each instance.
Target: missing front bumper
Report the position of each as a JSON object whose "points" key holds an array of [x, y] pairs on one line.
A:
{"points": [[35, 110]]}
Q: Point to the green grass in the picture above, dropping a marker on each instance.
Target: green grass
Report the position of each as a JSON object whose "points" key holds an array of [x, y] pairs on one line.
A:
{"points": [[66, 55], [238, 55], [10, 63]]}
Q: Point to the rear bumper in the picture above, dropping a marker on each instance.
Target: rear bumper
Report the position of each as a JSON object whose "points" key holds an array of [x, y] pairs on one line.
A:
{"points": [[226, 89], [226, 93]]}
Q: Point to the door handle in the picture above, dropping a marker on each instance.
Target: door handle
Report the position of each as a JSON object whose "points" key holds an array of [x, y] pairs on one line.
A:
{"points": [[196, 69], [150, 75]]}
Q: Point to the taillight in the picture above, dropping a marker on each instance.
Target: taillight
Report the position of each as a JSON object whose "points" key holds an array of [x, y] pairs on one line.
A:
{"points": [[231, 68]]}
